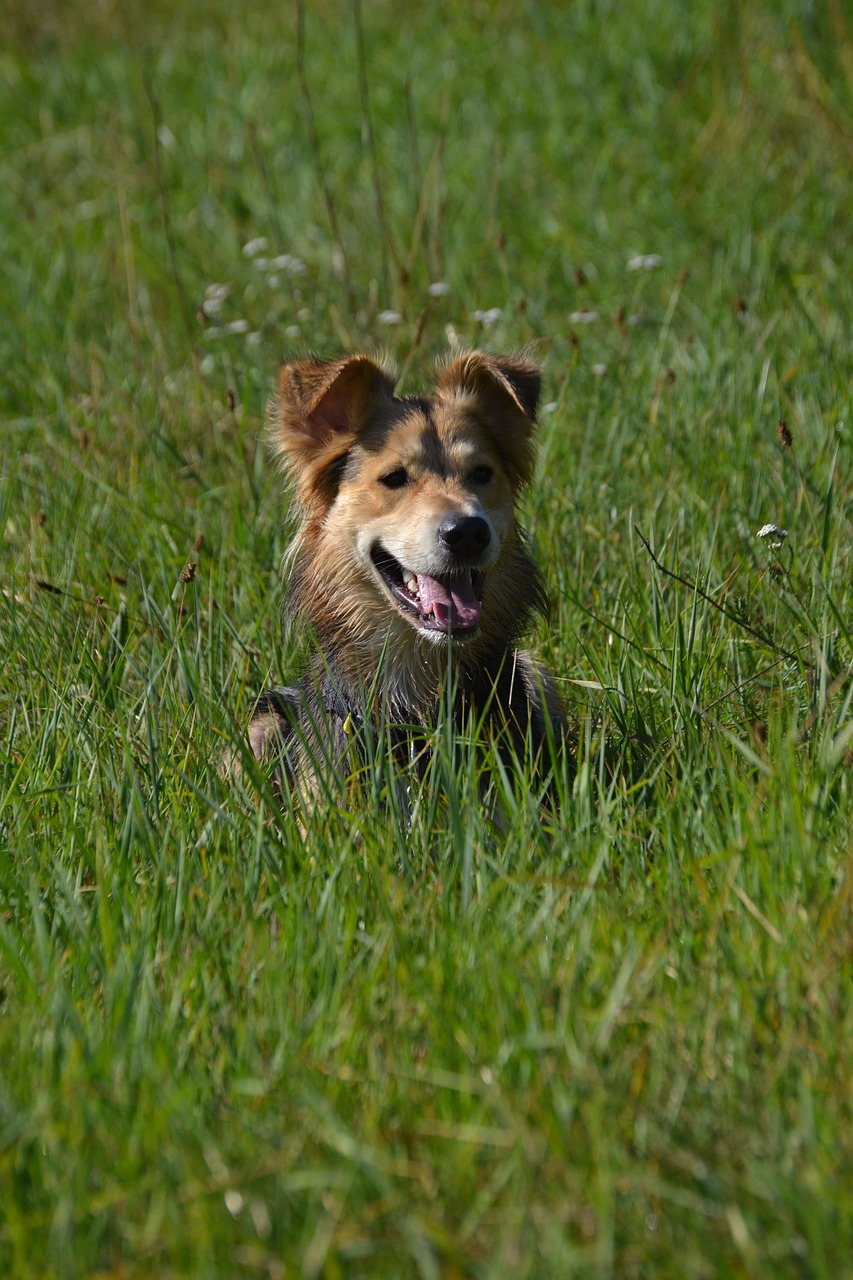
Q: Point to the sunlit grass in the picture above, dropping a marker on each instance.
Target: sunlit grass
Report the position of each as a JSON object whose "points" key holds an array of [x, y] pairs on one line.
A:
{"points": [[603, 1035]]}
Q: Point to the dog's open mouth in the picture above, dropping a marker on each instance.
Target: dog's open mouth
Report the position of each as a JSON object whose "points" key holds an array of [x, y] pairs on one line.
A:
{"points": [[450, 604]]}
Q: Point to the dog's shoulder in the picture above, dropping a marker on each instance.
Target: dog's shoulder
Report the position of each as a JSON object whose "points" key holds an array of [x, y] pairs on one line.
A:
{"points": [[543, 694]]}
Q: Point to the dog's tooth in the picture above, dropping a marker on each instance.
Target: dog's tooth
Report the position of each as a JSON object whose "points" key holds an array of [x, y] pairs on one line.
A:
{"points": [[412, 584]]}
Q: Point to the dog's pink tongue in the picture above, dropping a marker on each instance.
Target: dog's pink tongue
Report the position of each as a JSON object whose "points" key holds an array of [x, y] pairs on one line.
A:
{"points": [[454, 606]]}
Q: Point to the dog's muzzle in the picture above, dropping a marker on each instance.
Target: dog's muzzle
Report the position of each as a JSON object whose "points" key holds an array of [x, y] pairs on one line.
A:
{"points": [[447, 604]]}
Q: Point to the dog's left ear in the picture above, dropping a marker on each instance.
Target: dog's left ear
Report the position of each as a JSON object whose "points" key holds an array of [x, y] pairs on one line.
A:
{"points": [[505, 392], [322, 405]]}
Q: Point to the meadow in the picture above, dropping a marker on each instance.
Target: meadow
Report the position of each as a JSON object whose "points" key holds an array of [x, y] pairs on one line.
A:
{"points": [[615, 1038]]}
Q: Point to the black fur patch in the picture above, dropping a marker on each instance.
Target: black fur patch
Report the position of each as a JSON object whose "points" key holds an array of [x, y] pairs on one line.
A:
{"points": [[338, 470]]}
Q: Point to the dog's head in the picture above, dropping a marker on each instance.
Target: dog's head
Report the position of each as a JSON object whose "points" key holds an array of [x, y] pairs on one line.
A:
{"points": [[408, 504]]}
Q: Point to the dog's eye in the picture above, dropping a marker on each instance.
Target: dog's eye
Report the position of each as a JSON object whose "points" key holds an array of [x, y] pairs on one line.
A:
{"points": [[395, 479], [481, 474]]}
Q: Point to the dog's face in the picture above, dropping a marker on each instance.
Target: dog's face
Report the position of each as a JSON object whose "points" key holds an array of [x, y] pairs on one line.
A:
{"points": [[409, 530]]}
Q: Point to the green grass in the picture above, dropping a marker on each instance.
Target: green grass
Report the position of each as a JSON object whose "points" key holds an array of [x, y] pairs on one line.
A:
{"points": [[617, 1045]]}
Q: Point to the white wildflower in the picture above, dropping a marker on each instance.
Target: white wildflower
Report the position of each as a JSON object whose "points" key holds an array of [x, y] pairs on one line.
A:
{"points": [[214, 298], [549, 407], [439, 289], [644, 262], [287, 262], [253, 247], [390, 317], [773, 531], [237, 326], [488, 318], [599, 370], [583, 317], [293, 331]]}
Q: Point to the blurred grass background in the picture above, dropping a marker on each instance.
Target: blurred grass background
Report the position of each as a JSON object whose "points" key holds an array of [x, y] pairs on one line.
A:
{"points": [[615, 1045]]}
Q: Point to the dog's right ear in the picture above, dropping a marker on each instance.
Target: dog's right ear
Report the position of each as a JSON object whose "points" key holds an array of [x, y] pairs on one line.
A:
{"points": [[321, 407]]}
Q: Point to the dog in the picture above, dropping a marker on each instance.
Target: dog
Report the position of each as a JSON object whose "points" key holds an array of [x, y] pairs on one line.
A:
{"points": [[408, 564]]}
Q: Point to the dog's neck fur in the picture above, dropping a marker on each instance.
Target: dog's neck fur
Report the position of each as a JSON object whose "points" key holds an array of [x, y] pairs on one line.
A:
{"points": [[407, 687], [402, 676]]}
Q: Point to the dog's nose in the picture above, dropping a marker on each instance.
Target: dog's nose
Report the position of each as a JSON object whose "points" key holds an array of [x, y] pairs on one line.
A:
{"points": [[465, 535]]}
